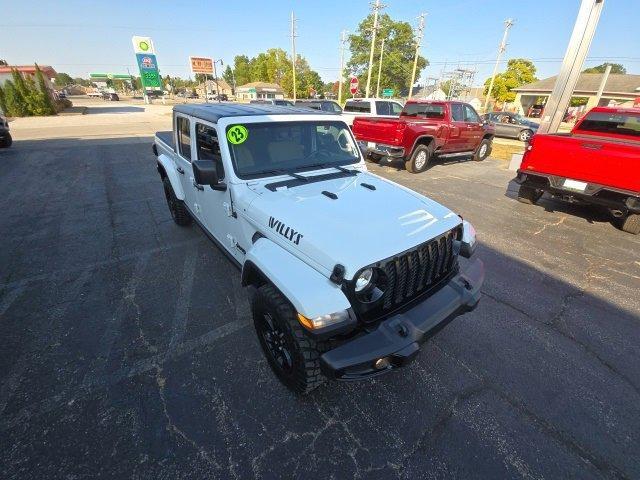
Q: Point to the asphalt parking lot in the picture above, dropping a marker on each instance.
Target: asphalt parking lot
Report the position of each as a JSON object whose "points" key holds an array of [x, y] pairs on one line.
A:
{"points": [[127, 349]]}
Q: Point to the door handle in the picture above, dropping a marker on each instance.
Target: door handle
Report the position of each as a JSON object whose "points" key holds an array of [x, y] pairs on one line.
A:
{"points": [[592, 146], [198, 186], [180, 170]]}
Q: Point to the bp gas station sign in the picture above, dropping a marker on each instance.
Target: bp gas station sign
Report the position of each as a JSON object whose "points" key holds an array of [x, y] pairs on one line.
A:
{"points": [[147, 63]]}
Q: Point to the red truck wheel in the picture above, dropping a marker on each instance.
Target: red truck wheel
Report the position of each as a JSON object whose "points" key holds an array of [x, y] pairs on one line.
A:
{"points": [[631, 224], [528, 195], [419, 160], [483, 150]]}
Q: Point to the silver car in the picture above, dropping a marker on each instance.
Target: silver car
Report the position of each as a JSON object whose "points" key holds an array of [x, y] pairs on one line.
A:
{"points": [[511, 125]]}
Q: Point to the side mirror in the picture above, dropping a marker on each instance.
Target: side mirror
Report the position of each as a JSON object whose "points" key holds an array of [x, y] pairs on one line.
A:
{"points": [[206, 173]]}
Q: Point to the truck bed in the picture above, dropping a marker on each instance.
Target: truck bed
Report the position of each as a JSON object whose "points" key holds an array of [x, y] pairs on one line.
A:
{"points": [[587, 158], [166, 137]]}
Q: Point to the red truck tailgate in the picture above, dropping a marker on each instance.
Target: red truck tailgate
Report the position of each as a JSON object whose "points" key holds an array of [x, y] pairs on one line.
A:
{"points": [[376, 129], [605, 161]]}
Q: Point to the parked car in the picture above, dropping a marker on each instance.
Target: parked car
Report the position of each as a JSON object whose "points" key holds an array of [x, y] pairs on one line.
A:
{"points": [[425, 128], [5, 135], [597, 164], [511, 125], [322, 105], [111, 97], [535, 111], [273, 101], [370, 107], [283, 193]]}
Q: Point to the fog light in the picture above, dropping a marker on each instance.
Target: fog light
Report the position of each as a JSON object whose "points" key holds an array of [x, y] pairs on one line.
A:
{"points": [[382, 363]]}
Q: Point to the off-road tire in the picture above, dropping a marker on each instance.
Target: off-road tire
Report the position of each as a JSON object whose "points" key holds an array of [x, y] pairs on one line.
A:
{"points": [[305, 374], [631, 224], [6, 142], [178, 209], [528, 195], [417, 156], [483, 150], [525, 135]]}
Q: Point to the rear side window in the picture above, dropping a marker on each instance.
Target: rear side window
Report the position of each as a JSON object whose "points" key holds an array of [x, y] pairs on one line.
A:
{"points": [[208, 146], [456, 112], [382, 108], [332, 107], [184, 137], [618, 123], [357, 107]]}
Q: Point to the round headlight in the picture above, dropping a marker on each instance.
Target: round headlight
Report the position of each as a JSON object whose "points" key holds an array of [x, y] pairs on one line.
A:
{"points": [[364, 279]]}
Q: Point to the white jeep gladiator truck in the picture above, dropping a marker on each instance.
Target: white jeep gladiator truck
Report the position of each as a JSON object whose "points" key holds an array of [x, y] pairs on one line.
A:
{"points": [[347, 272], [370, 107]]}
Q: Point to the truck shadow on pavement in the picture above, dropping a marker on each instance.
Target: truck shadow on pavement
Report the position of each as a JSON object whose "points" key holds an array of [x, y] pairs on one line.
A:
{"points": [[114, 109], [589, 213], [128, 351]]}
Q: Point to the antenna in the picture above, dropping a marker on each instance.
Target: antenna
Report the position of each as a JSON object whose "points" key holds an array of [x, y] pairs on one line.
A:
{"points": [[293, 52]]}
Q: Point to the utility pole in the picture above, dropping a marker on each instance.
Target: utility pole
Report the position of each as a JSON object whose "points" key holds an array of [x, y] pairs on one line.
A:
{"points": [[376, 8], [380, 69], [343, 40], [503, 46], [293, 52], [583, 31], [419, 36]]}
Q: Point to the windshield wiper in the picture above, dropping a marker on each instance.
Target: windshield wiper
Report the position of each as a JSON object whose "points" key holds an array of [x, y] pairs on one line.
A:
{"points": [[330, 165], [286, 172]]}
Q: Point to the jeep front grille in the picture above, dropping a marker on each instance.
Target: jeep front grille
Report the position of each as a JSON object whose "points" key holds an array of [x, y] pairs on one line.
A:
{"points": [[417, 270]]}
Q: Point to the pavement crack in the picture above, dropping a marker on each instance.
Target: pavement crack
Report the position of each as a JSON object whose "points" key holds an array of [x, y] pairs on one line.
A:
{"points": [[544, 227]]}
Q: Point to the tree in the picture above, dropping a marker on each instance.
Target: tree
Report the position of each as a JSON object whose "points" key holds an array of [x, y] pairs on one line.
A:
{"points": [[520, 71], [14, 103], [615, 68], [228, 77], [242, 69], [63, 79], [399, 51], [44, 102]]}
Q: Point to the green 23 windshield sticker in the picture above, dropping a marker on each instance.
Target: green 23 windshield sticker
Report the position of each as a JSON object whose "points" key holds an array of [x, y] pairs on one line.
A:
{"points": [[237, 134]]}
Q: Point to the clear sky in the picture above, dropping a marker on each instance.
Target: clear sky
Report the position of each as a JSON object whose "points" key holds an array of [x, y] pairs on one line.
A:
{"points": [[79, 37]]}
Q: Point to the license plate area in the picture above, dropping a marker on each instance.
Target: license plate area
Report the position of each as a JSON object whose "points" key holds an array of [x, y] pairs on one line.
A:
{"points": [[574, 185]]}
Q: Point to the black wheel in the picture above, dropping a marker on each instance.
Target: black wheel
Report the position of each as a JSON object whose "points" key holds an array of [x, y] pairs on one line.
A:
{"points": [[7, 141], [419, 160], [178, 210], [631, 224], [292, 354], [483, 150], [525, 135], [528, 195]]}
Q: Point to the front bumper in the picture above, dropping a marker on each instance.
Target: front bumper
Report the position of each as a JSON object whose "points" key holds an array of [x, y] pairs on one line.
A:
{"points": [[398, 339]]}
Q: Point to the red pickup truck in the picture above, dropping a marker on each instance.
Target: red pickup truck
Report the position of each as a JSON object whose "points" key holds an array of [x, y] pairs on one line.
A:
{"points": [[598, 163], [425, 128]]}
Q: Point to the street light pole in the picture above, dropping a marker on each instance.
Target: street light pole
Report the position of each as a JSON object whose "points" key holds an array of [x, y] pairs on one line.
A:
{"points": [[293, 52], [343, 39], [376, 7], [503, 46], [380, 69], [415, 58], [583, 32]]}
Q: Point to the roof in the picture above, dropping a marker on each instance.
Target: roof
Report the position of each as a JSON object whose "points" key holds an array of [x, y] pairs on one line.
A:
{"points": [[48, 71], [589, 83], [222, 84], [212, 112], [257, 85]]}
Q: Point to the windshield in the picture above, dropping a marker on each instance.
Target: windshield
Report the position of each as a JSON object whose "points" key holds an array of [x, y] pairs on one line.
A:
{"points": [[265, 149], [617, 123]]}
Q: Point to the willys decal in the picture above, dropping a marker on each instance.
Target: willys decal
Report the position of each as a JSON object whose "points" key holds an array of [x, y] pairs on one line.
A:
{"points": [[287, 232]]}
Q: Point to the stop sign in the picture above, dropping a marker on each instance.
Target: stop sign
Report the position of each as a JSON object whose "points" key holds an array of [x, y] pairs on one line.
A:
{"points": [[353, 85]]}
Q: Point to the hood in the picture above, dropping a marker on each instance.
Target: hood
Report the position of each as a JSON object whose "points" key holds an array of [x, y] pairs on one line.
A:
{"points": [[357, 228]]}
